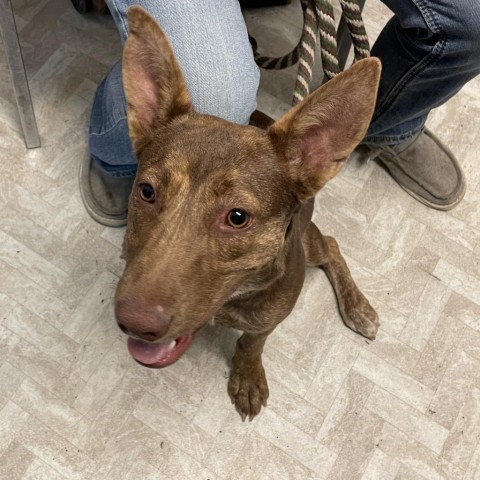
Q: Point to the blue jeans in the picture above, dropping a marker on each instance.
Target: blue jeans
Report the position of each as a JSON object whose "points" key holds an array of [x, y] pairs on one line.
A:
{"points": [[211, 44], [429, 50]]}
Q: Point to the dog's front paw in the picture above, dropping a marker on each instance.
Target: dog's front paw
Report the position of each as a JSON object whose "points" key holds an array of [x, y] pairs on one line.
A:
{"points": [[360, 316], [248, 390]]}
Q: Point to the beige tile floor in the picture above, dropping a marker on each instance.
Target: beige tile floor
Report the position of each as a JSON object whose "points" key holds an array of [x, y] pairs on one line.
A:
{"points": [[73, 404]]}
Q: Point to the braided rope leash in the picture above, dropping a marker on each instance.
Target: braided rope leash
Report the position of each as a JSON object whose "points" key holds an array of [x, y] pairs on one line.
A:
{"points": [[319, 19]]}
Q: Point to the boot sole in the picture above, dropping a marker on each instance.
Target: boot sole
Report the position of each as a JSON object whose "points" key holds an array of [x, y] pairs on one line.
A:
{"points": [[93, 209]]}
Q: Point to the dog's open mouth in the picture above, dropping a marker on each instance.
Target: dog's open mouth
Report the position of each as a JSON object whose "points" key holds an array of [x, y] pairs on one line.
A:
{"points": [[157, 355]]}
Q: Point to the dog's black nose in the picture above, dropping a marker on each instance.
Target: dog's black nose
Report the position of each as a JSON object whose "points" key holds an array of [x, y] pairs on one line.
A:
{"points": [[146, 322]]}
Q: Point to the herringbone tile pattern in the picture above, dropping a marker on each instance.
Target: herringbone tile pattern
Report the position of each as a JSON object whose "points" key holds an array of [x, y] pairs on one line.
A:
{"points": [[74, 405]]}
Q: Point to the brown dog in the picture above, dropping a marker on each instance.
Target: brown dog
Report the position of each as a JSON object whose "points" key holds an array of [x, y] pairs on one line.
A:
{"points": [[219, 215]]}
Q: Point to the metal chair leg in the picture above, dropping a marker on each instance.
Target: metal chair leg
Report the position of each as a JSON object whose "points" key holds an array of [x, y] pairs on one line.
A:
{"points": [[19, 78]]}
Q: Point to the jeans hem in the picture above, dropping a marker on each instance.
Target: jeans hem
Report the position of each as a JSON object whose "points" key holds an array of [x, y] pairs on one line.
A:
{"points": [[390, 139], [117, 171]]}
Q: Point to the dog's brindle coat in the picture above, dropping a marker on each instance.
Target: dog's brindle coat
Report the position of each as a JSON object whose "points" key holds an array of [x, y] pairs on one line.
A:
{"points": [[219, 215]]}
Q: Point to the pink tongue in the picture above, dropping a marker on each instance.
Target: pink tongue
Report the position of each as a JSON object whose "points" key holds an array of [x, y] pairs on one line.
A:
{"points": [[148, 353]]}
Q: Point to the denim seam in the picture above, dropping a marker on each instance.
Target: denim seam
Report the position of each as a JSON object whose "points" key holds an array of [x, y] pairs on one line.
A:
{"points": [[429, 17], [100, 134], [391, 139], [429, 59], [122, 18]]}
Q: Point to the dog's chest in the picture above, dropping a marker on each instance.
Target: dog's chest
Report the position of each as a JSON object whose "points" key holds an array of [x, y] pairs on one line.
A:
{"points": [[239, 319], [241, 311]]}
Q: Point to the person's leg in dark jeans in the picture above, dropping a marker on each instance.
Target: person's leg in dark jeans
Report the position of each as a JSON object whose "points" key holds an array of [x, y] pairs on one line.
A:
{"points": [[429, 50]]}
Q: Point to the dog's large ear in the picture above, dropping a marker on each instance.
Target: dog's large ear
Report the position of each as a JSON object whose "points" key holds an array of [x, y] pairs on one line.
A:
{"points": [[153, 82], [317, 135]]}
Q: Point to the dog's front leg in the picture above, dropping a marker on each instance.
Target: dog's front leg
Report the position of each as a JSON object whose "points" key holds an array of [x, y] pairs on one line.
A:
{"points": [[247, 386], [356, 311]]}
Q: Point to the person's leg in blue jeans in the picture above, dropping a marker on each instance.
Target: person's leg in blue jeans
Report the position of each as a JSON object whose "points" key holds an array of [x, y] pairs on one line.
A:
{"points": [[429, 50], [211, 44]]}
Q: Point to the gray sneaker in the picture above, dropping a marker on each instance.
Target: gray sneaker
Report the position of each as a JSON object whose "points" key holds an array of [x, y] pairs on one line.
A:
{"points": [[105, 197], [424, 168]]}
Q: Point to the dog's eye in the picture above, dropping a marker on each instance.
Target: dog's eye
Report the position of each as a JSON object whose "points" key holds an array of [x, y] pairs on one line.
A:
{"points": [[147, 192], [237, 218]]}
